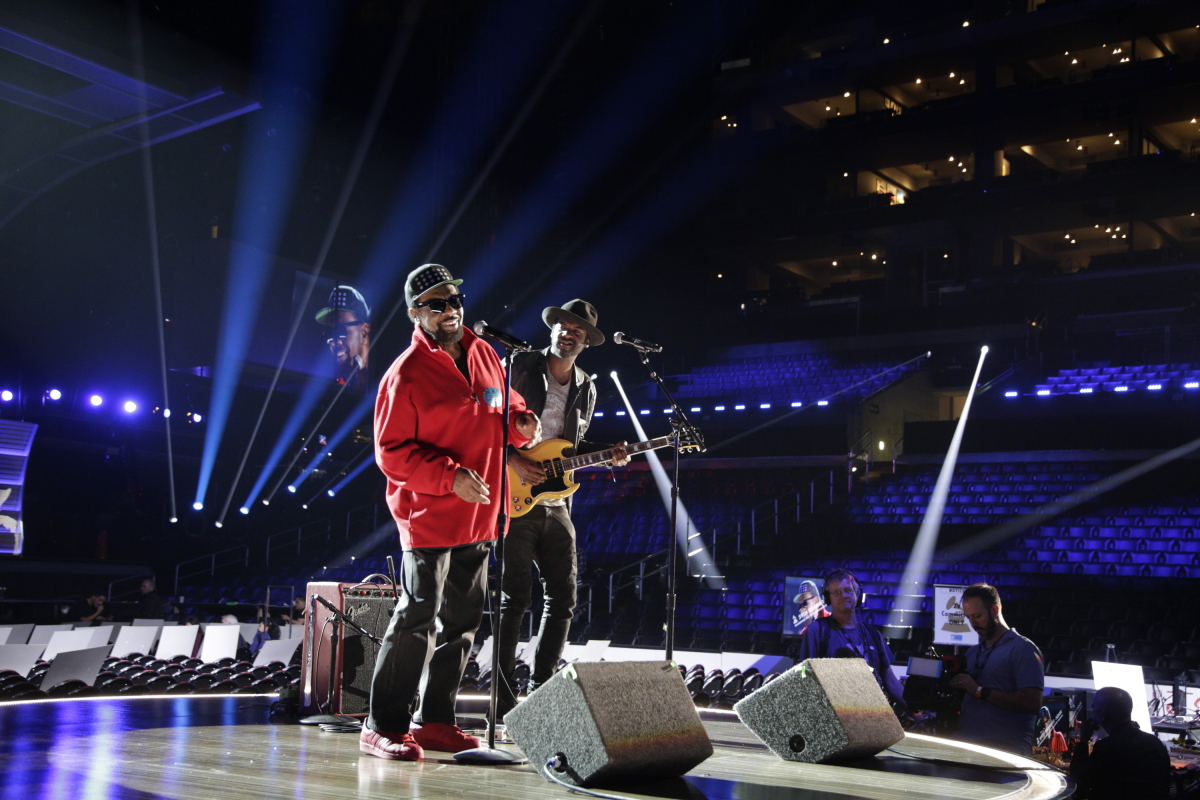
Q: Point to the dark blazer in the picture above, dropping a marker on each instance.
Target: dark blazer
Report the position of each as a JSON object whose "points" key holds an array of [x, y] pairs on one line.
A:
{"points": [[529, 380]]}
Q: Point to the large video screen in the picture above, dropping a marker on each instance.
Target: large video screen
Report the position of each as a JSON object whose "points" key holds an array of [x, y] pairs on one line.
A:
{"points": [[802, 603]]}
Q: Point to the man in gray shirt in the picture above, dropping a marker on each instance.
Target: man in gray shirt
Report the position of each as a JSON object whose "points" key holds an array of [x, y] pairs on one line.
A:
{"points": [[564, 397], [1004, 679]]}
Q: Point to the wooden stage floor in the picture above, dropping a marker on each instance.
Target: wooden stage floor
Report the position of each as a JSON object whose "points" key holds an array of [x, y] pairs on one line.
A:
{"points": [[196, 748]]}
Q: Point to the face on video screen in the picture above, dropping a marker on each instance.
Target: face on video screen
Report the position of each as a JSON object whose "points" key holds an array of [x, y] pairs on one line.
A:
{"points": [[348, 335]]}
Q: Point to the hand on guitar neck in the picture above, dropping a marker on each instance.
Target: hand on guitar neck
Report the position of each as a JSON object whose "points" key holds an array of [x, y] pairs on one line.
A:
{"points": [[532, 472]]}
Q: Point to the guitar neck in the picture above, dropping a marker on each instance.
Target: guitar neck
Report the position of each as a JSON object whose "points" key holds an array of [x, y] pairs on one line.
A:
{"points": [[604, 456]]}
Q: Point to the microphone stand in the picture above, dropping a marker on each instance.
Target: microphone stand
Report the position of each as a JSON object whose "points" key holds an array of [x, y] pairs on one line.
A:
{"points": [[489, 754], [679, 425]]}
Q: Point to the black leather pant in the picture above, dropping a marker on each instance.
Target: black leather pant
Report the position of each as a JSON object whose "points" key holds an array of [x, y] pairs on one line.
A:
{"points": [[544, 536]]}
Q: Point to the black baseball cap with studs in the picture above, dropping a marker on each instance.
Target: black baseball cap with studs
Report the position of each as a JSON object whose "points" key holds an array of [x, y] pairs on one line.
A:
{"points": [[424, 278], [344, 298]]}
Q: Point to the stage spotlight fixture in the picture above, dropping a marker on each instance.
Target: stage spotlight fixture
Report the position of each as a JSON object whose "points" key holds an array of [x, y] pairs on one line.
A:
{"points": [[718, 408], [822, 402], [6, 395], [620, 413], [196, 418], [1043, 392], [797, 404], [219, 524], [984, 349], [244, 510], [739, 407], [166, 413], [1192, 385], [331, 493], [1012, 394], [55, 394], [695, 409], [304, 506], [198, 505], [881, 444], [1086, 390], [174, 519], [96, 400], [598, 414], [130, 406], [613, 374], [266, 502], [292, 489], [764, 406], [644, 412], [1154, 387], [666, 411], [1120, 388]]}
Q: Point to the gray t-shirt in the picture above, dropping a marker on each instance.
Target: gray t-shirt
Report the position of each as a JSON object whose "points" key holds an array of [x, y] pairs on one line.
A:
{"points": [[554, 417], [1012, 663]]}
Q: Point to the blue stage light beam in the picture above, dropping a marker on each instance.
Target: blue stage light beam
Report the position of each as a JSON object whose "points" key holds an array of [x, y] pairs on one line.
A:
{"points": [[668, 204], [309, 396], [916, 573], [295, 44], [500, 61], [341, 478], [365, 405], [404, 35], [1049, 511], [690, 541], [139, 61], [354, 473], [677, 55], [823, 401], [304, 446]]}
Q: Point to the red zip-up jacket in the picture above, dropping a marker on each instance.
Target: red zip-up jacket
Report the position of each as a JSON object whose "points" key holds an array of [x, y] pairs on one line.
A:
{"points": [[428, 423]]}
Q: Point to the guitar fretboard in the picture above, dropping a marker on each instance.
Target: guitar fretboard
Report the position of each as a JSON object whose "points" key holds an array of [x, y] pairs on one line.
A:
{"points": [[560, 466]]}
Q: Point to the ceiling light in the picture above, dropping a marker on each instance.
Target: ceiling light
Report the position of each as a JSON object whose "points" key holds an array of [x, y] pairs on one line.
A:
{"points": [[847, 94], [951, 74]]}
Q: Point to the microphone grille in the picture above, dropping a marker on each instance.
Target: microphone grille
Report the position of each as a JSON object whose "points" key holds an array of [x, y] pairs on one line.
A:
{"points": [[619, 337], [479, 327]]}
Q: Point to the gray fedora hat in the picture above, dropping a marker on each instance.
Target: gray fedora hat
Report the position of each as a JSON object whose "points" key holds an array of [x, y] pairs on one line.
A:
{"points": [[580, 312]]}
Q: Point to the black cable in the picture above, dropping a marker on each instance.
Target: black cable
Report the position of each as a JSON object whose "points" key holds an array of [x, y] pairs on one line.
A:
{"points": [[317, 656], [547, 770]]}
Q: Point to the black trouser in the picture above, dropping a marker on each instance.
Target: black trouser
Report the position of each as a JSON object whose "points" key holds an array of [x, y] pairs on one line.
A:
{"points": [[544, 536], [438, 584]]}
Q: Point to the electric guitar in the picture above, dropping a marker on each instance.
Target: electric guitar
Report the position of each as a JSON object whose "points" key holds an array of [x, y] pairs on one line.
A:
{"points": [[551, 454]]}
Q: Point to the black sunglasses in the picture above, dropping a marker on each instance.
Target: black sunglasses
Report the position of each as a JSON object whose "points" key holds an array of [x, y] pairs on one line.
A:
{"points": [[438, 304]]}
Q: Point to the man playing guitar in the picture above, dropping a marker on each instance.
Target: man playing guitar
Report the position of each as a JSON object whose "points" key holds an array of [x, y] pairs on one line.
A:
{"points": [[564, 397]]}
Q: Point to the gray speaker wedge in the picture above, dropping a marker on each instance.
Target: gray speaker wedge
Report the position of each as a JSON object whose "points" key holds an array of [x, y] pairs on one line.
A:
{"points": [[822, 709], [611, 722]]}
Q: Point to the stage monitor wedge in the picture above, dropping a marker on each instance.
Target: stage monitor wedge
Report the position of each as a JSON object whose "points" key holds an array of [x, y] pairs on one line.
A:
{"points": [[822, 709], [16, 440], [610, 723]]}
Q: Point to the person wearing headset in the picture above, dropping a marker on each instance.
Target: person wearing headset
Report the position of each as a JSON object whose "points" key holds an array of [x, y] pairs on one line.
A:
{"points": [[843, 635]]}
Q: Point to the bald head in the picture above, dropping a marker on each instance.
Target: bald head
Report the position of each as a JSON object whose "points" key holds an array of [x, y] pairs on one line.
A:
{"points": [[1112, 707]]}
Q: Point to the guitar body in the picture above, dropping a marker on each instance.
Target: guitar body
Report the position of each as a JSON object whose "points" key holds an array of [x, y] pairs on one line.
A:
{"points": [[558, 484], [558, 462]]}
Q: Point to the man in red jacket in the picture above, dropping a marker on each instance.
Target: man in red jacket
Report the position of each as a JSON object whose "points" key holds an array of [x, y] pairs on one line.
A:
{"points": [[438, 439]]}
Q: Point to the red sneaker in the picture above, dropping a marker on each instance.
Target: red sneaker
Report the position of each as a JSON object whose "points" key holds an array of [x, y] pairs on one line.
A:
{"points": [[392, 746], [444, 737]]}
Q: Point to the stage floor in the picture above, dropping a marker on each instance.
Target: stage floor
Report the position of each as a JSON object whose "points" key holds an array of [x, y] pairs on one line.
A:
{"points": [[196, 748]]}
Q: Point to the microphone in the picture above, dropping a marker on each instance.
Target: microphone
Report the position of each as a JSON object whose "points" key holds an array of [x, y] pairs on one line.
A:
{"points": [[481, 328], [645, 347]]}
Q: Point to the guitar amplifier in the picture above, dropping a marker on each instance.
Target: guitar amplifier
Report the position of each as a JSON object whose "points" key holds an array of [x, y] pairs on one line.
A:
{"points": [[338, 661]]}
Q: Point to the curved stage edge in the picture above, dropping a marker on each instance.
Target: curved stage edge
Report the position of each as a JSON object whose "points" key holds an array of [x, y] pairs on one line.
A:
{"points": [[194, 747]]}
